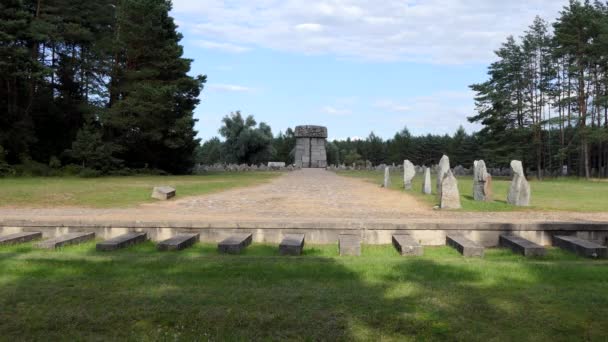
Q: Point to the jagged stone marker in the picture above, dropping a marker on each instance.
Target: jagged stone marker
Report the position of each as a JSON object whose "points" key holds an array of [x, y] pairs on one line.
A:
{"points": [[450, 196], [442, 170], [519, 192], [426, 184], [409, 171], [387, 178], [482, 182]]}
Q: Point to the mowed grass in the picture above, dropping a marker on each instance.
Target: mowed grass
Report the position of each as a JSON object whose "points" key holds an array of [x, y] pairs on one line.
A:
{"points": [[558, 194], [76, 293], [107, 192]]}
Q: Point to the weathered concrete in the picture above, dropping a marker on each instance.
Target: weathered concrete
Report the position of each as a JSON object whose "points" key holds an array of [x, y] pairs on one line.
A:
{"points": [[292, 244], [122, 241], [163, 192], [349, 245], [426, 184], [464, 246], [178, 242], [235, 243], [581, 247], [310, 149], [409, 171], [65, 240], [406, 245], [16, 238], [520, 245]]}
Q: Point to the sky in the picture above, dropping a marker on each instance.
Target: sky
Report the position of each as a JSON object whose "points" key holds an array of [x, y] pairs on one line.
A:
{"points": [[354, 66]]}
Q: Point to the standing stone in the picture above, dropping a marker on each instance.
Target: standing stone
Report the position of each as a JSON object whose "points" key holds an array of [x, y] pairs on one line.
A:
{"points": [[426, 184], [519, 193], [310, 146], [409, 171], [450, 196], [387, 177], [482, 182], [442, 170]]}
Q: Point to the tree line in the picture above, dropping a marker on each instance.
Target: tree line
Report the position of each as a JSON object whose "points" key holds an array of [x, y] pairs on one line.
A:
{"points": [[546, 99], [98, 84]]}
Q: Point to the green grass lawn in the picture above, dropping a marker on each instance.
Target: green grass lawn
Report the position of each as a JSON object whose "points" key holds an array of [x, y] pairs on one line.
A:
{"points": [[106, 192], [77, 293], [567, 194]]}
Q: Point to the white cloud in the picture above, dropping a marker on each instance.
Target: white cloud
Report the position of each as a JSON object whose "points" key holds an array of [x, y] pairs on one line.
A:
{"points": [[335, 111], [226, 47], [230, 88], [433, 31], [391, 106]]}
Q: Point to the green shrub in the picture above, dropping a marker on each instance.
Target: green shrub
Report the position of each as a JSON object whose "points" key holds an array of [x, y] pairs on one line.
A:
{"points": [[89, 173], [54, 163]]}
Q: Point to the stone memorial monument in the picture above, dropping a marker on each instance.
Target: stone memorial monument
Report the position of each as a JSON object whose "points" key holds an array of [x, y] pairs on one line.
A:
{"points": [[409, 171], [519, 192], [450, 196], [310, 146], [482, 182], [426, 185]]}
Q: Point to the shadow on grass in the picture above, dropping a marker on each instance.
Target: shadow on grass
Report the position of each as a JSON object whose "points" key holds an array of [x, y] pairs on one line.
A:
{"points": [[138, 293]]}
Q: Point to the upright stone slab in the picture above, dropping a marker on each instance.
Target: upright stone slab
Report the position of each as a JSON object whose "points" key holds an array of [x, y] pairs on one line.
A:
{"points": [[581, 247], [234, 244], [163, 193], [349, 245], [310, 149], [519, 192], [409, 171], [122, 241], [178, 242], [387, 177], [13, 239], [292, 244], [520, 245], [65, 240], [442, 170], [466, 247], [482, 182], [426, 184], [450, 196], [406, 245]]}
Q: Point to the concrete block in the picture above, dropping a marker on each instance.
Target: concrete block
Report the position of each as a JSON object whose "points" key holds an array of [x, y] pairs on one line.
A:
{"points": [[122, 241], [234, 244], [178, 242], [292, 244], [521, 245], [464, 246], [65, 240], [163, 192], [17, 238], [581, 247], [406, 245], [349, 244]]}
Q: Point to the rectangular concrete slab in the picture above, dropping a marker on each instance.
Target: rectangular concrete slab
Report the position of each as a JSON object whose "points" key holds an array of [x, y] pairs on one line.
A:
{"points": [[520, 245], [22, 237], [66, 239], [178, 242], [292, 244], [466, 247], [234, 244], [406, 245], [349, 244], [581, 247], [122, 241]]}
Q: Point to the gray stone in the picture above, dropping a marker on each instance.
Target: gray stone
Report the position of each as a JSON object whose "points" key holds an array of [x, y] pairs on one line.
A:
{"points": [[519, 192], [163, 192], [581, 247], [387, 178], [482, 182], [450, 196], [65, 240], [178, 242], [442, 169], [426, 184], [310, 151], [520, 245], [234, 244], [13, 239], [122, 241], [409, 171], [349, 244], [406, 245], [292, 244], [459, 170], [464, 246]]}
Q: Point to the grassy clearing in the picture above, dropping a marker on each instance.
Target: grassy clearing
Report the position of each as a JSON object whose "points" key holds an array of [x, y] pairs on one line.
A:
{"points": [[139, 294], [107, 192], [562, 194]]}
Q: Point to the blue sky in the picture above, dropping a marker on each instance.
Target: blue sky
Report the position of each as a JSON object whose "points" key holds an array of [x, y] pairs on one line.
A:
{"points": [[354, 66]]}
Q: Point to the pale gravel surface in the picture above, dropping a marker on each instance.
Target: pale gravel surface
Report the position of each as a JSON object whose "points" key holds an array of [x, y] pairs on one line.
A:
{"points": [[309, 195]]}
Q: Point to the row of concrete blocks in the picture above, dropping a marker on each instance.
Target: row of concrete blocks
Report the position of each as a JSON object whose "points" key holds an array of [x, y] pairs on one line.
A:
{"points": [[293, 244]]}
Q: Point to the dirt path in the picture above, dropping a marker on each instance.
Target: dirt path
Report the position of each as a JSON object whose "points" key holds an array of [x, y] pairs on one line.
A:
{"points": [[305, 195]]}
